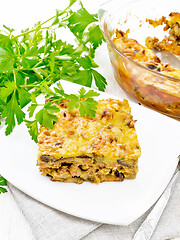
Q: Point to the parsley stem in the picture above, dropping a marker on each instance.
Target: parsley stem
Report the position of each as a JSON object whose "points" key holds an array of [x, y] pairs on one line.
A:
{"points": [[37, 28], [4, 32], [14, 72], [32, 30], [28, 85]]}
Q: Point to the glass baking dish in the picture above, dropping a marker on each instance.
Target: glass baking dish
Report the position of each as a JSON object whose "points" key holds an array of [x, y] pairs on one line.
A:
{"points": [[155, 90]]}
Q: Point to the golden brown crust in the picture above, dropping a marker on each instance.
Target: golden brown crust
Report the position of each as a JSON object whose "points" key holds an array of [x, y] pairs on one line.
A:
{"points": [[171, 42], [103, 148], [146, 57]]}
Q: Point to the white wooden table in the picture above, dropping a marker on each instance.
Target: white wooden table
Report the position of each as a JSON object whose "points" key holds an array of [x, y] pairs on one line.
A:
{"points": [[13, 225]]}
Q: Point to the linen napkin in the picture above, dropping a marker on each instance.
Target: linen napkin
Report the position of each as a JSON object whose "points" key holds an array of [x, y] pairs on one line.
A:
{"points": [[50, 224]]}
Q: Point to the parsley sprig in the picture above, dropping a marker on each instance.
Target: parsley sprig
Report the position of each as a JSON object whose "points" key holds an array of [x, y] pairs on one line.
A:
{"points": [[34, 59], [46, 115]]}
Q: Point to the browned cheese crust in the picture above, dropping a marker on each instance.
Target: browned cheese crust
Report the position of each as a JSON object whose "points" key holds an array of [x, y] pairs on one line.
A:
{"points": [[95, 149], [171, 42]]}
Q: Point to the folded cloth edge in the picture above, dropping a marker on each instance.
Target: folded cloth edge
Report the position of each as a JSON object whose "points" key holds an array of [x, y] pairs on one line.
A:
{"points": [[87, 230], [48, 223]]}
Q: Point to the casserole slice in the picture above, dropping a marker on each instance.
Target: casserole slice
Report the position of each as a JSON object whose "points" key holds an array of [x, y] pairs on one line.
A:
{"points": [[94, 149]]}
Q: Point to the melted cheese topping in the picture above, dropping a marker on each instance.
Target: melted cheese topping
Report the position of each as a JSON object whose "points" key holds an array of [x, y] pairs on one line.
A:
{"points": [[110, 134]]}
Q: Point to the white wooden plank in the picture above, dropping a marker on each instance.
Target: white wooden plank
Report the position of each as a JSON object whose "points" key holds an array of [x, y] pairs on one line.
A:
{"points": [[13, 224]]}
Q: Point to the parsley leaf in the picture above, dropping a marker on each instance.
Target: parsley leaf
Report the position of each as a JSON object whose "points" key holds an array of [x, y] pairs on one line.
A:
{"points": [[72, 2], [79, 20], [88, 107], [84, 101], [5, 42], [8, 88], [6, 61], [85, 62], [24, 97], [33, 129], [31, 109], [96, 36], [99, 80], [89, 94], [83, 77], [10, 111], [74, 103], [45, 116], [2, 183]]}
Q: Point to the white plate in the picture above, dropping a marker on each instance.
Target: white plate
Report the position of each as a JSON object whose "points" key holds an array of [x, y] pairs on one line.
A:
{"points": [[114, 203]]}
